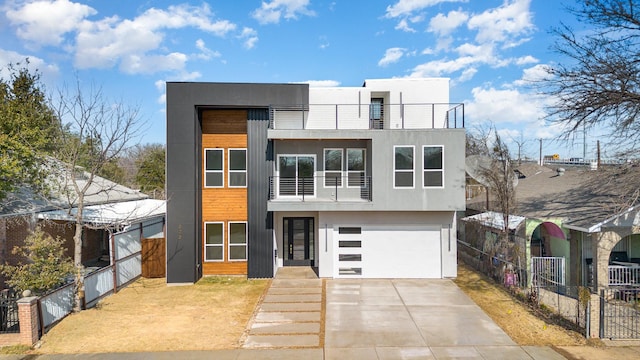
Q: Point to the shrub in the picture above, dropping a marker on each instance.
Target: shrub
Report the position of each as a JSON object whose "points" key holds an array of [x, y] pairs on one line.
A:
{"points": [[45, 264]]}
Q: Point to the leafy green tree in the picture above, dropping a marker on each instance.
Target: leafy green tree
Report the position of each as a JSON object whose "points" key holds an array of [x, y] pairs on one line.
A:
{"points": [[28, 129], [151, 164], [44, 267]]}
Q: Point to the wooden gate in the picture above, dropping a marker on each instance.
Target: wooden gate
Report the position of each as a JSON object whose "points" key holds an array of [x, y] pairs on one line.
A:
{"points": [[153, 257]]}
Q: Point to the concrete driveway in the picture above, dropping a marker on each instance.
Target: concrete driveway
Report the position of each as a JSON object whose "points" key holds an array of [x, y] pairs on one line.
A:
{"points": [[378, 319], [402, 319]]}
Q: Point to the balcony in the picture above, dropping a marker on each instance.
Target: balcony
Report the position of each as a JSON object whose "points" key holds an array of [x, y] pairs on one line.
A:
{"points": [[352, 187], [372, 116]]}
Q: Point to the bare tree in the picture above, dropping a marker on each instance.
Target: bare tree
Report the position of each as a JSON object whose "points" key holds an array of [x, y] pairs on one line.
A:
{"points": [[96, 132], [492, 168], [599, 83]]}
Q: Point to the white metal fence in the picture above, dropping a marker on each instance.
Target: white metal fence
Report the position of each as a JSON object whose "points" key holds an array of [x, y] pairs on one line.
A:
{"points": [[126, 266], [547, 271]]}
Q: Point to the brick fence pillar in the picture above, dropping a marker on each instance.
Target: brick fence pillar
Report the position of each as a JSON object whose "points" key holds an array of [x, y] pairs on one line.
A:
{"points": [[594, 316], [29, 323]]}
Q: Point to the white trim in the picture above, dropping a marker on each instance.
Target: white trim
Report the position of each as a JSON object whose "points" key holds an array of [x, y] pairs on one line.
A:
{"points": [[246, 240], [364, 163], [324, 168], [413, 170], [424, 186], [221, 171], [229, 171], [213, 245]]}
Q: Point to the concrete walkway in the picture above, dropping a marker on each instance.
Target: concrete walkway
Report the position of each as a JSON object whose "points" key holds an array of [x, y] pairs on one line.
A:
{"points": [[291, 313]]}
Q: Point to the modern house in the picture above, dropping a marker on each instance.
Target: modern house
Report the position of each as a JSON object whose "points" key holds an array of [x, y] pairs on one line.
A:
{"points": [[353, 181]]}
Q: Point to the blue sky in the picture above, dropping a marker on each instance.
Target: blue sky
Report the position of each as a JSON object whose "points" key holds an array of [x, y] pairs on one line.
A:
{"points": [[489, 49]]}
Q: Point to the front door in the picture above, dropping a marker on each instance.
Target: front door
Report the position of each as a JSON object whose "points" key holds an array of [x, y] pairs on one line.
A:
{"points": [[298, 241]]}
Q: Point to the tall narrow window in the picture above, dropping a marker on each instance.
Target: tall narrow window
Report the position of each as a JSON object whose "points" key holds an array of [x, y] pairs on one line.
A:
{"points": [[237, 241], [403, 167], [237, 167], [214, 241], [376, 113], [333, 167], [433, 170], [356, 167], [214, 168]]}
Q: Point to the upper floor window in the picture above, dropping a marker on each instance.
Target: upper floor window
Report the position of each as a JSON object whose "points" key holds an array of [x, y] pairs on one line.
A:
{"points": [[433, 170], [376, 113], [237, 167], [355, 167], [214, 168], [333, 167], [403, 166]]}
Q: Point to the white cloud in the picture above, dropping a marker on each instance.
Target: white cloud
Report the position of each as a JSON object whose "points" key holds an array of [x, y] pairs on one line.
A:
{"points": [[392, 55], [271, 12], [205, 53], [130, 43], [505, 106], [524, 60], [403, 25], [442, 67], [501, 24], [149, 64], [46, 22], [408, 7], [466, 75], [250, 37], [322, 83], [444, 24]]}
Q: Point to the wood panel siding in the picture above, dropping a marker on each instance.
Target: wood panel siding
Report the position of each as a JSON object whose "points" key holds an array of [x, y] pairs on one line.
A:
{"points": [[224, 121], [225, 268], [223, 129]]}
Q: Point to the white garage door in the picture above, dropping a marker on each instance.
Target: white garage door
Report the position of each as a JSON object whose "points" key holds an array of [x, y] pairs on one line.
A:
{"points": [[387, 252]]}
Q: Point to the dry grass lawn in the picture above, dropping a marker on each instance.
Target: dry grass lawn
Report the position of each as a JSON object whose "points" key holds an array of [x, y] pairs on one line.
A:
{"points": [[148, 315], [518, 321]]}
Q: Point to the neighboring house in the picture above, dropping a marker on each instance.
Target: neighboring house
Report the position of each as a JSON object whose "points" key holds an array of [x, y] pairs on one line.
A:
{"points": [[353, 181], [584, 216], [109, 207]]}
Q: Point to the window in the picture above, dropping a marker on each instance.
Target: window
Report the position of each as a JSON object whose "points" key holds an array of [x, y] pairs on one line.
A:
{"points": [[376, 113], [355, 167], [433, 172], [296, 175], [403, 167], [213, 168], [214, 242], [237, 167], [333, 167], [237, 241]]}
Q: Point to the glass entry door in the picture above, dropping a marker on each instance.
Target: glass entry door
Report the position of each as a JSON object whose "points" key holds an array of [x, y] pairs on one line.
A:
{"points": [[298, 241]]}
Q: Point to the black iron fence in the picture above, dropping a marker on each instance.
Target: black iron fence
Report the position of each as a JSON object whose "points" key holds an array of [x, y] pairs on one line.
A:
{"points": [[620, 313], [9, 320]]}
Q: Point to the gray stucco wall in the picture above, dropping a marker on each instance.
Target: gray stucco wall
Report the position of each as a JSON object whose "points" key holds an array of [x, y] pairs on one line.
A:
{"points": [[380, 154], [184, 163]]}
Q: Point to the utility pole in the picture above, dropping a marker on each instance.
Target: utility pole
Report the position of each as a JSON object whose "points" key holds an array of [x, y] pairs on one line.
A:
{"points": [[540, 161]]}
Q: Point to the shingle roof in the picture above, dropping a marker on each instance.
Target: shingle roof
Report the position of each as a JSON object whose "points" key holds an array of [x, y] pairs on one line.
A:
{"points": [[580, 197], [100, 191]]}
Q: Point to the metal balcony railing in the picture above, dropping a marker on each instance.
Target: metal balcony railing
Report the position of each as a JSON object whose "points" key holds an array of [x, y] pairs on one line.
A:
{"points": [[352, 186], [366, 116]]}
